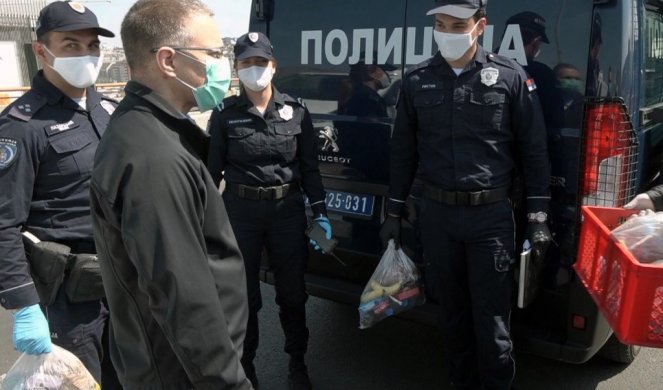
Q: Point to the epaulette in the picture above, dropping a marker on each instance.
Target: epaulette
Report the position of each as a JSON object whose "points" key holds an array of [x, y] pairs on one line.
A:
{"points": [[419, 66], [504, 61], [289, 99], [25, 107], [228, 102]]}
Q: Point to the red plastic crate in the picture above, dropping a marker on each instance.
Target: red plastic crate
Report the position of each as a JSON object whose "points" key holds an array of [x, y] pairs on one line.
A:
{"points": [[628, 293]]}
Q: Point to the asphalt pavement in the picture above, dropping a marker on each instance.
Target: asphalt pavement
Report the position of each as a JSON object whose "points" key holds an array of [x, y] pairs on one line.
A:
{"points": [[400, 355]]}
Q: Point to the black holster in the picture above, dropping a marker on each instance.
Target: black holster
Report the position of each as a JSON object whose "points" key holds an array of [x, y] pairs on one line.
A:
{"points": [[48, 263], [52, 266], [83, 282]]}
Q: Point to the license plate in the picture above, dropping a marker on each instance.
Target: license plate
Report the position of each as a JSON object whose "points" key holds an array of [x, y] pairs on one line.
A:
{"points": [[349, 203]]}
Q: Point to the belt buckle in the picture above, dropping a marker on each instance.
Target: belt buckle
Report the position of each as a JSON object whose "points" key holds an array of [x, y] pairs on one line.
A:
{"points": [[475, 198], [262, 193]]}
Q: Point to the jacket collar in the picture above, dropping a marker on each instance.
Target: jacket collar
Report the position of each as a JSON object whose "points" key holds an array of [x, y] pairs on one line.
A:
{"points": [[146, 93], [479, 60]]}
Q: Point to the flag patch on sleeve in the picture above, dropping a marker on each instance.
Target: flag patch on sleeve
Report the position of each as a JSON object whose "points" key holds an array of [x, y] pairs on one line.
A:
{"points": [[531, 85]]}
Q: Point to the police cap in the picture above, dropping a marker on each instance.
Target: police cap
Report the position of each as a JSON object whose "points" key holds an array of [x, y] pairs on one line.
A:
{"points": [[531, 22], [68, 16], [253, 44], [461, 9]]}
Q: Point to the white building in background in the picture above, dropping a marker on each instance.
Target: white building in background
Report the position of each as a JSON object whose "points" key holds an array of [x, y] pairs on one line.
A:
{"points": [[115, 68]]}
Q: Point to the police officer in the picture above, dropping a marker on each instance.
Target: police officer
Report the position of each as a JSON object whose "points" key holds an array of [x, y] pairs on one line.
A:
{"points": [[466, 118], [533, 31], [264, 146], [48, 138]]}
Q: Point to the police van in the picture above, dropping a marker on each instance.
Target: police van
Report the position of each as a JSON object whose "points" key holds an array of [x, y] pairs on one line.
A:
{"points": [[598, 66]]}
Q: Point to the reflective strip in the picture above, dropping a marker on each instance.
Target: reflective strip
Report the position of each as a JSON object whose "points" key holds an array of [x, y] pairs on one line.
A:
{"points": [[17, 287], [396, 200]]}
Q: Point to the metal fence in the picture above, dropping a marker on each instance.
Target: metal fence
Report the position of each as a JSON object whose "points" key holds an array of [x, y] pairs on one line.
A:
{"points": [[17, 20]]}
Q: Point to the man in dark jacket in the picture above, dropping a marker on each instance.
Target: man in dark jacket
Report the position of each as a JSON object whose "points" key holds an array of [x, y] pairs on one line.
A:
{"points": [[172, 269]]}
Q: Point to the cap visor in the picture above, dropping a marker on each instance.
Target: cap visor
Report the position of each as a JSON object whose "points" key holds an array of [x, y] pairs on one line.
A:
{"points": [[77, 27], [456, 11], [253, 52]]}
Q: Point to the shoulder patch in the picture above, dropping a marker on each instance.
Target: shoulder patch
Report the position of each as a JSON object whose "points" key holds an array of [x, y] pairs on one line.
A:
{"points": [[8, 152], [530, 84], [108, 106]]}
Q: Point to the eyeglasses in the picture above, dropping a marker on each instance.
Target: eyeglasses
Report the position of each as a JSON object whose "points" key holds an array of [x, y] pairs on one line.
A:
{"points": [[215, 52]]}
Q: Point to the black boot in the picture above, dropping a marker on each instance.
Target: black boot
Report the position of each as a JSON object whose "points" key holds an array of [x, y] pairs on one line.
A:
{"points": [[298, 374]]}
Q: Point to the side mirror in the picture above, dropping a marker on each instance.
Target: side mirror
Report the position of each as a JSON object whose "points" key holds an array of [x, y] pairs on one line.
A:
{"points": [[264, 10]]}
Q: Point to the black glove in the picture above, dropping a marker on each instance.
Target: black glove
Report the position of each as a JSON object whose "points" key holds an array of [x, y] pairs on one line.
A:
{"points": [[539, 237], [391, 228]]}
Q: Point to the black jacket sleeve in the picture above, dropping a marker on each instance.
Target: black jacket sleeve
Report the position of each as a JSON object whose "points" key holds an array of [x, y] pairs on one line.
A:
{"points": [[531, 143], [307, 144], [403, 156], [217, 150], [656, 195], [165, 241], [17, 181]]}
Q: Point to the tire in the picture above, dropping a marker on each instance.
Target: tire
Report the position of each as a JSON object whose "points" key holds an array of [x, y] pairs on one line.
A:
{"points": [[615, 351]]}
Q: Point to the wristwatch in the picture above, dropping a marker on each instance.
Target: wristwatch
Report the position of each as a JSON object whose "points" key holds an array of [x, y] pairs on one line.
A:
{"points": [[539, 217]]}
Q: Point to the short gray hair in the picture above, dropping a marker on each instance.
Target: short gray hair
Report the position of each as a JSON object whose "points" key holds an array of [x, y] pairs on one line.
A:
{"points": [[150, 24]]}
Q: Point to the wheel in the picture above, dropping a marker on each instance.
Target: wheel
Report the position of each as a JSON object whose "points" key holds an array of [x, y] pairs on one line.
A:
{"points": [[615, 351]]}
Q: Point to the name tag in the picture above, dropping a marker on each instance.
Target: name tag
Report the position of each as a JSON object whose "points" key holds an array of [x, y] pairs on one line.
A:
{"points": [[60, 127], [239, 121]]}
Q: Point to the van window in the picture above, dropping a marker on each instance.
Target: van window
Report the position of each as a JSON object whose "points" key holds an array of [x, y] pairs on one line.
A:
{"points": [[653, 57]]}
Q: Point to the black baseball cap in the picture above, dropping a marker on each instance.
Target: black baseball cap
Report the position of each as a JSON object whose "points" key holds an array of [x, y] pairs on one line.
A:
{"points": [[530, 21], [253, 44], [461, 9], [68, 16]]}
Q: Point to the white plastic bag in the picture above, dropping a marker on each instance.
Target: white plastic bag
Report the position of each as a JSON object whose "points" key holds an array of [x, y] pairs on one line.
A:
{"points": [[59, 369], [393, 288], [642, 234]]}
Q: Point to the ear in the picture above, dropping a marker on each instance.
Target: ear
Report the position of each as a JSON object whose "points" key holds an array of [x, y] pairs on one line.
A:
{"points": [[165, 57], [482, 25], [39, 51]]}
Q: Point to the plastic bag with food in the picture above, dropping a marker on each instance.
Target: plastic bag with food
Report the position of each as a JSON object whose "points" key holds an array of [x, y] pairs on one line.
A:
{"points": [[59, 369], [393, 288], [642, 234]]}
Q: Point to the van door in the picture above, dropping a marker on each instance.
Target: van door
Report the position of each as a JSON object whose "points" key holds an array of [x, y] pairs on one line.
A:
{"points": [[343, 59], [651, 113]]}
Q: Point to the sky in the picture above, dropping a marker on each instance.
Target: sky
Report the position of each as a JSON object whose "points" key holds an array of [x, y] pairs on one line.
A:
{"points": [[232, 16]]}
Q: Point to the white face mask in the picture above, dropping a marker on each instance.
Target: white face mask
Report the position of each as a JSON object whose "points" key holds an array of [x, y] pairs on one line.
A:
{"points": [[256, 78], [453, 46], [79, 72]]}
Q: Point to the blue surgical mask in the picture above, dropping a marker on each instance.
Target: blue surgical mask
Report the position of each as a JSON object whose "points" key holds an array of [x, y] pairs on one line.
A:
{"points": [[210, 94]]}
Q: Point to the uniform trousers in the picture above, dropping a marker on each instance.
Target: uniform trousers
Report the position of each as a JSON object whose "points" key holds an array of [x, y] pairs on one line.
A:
{"points": [[469, 251], [82, 329], [278, 226]]}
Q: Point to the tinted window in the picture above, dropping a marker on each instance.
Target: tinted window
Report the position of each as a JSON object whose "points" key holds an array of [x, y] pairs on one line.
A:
{"points": [[653, 57]]}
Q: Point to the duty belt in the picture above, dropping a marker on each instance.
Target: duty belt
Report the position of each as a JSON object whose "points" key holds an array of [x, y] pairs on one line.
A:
{"points": [[262, 193], [468, 198]]}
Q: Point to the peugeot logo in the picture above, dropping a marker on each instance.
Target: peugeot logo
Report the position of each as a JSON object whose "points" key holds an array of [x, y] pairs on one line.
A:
{"points": [[329, 135]]}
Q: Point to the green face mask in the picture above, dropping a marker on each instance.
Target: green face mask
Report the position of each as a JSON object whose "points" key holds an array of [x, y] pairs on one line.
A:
{"points": [[210, 94], [573, 85]]}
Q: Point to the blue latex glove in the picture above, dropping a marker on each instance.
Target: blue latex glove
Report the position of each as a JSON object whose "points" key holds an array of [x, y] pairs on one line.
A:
{"points": [[324, 223], [31, 334]]}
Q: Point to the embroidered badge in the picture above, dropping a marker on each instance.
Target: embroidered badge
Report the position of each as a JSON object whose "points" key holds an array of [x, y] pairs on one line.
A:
{"points": [[489, 76], [253, 37], [286, 112], [108, 107], [8, 152], [531, 85]]}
